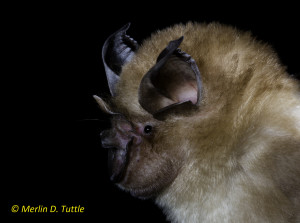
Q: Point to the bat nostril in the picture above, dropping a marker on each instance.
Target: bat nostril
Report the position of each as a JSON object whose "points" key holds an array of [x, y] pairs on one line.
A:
{"points": [[112, 139], [104, 135], [106, 141]]}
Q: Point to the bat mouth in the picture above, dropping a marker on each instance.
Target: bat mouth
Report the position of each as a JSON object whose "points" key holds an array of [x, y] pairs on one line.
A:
{"points": [[118, 160]]}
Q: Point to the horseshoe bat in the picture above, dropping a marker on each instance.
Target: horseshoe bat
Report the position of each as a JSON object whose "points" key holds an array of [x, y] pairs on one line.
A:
{"points": [[206, 121]]}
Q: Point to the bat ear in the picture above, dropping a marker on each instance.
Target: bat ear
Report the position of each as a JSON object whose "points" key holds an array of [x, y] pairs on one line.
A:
{"points": [[117, 50], [172, 85], [103, 105]]}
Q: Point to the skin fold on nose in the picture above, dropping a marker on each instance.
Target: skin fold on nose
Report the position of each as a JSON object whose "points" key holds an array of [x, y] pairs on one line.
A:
{"points": [[114, 139], [107, 140]]}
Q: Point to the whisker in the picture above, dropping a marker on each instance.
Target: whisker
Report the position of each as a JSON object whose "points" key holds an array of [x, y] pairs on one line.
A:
{"points": [[91, 119]]}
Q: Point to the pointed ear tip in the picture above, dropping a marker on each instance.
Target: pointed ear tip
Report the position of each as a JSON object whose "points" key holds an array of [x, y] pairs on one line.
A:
{"points": [[98, 99], [126, 27]]}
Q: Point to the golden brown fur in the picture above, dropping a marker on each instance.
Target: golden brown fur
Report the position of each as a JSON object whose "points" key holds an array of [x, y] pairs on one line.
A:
{"points": [[238, 158]]}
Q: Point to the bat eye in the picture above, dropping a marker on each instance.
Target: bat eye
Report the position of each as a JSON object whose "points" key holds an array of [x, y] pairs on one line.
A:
{"points": [[148, 129]]}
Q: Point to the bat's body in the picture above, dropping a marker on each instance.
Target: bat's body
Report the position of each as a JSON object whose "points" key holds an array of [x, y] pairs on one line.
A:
{"points": [[208, 125]]}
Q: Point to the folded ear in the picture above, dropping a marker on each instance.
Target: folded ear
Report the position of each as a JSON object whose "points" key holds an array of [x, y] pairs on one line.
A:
{"points": [[117, 50], [103, 105], [173, 84]]}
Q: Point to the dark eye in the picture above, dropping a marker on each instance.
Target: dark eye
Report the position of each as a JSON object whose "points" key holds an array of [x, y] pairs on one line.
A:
{"points": [[147, 129]]}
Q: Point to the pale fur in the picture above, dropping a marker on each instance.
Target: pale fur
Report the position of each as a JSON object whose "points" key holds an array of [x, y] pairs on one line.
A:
{"points": [[250, 122]]}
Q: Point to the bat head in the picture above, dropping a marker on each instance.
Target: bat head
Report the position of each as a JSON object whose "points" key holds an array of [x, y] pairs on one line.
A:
{"points": [[144, 153]]}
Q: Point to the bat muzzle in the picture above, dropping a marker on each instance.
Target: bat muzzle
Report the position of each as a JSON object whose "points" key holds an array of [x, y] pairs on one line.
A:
{"points": [[118, 153]]}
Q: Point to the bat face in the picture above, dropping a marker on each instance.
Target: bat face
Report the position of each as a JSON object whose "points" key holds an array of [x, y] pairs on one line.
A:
{"points": [[194, 111], [136, 163]]}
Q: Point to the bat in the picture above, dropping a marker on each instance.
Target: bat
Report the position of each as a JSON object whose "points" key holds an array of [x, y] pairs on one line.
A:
{"points": [[205, 120]]}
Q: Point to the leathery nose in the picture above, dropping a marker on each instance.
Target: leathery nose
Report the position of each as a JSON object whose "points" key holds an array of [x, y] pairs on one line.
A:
{"points": [[119, 140]]}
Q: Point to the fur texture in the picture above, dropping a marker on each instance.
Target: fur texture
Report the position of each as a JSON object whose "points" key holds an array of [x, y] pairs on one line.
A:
{"points": [[237, 159]]}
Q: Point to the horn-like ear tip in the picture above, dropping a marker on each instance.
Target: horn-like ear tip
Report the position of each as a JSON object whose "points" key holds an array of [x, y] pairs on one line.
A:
{"points": [[126, 27], [96, 97], [103, 105]]}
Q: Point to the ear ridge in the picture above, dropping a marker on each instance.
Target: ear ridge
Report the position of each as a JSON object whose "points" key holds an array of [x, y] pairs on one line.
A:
{"points": [[117, 50], [173, 84], [188, 58]]}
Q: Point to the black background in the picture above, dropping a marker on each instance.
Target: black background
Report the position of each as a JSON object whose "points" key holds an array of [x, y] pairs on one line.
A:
{"points": [[53, 67]]}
